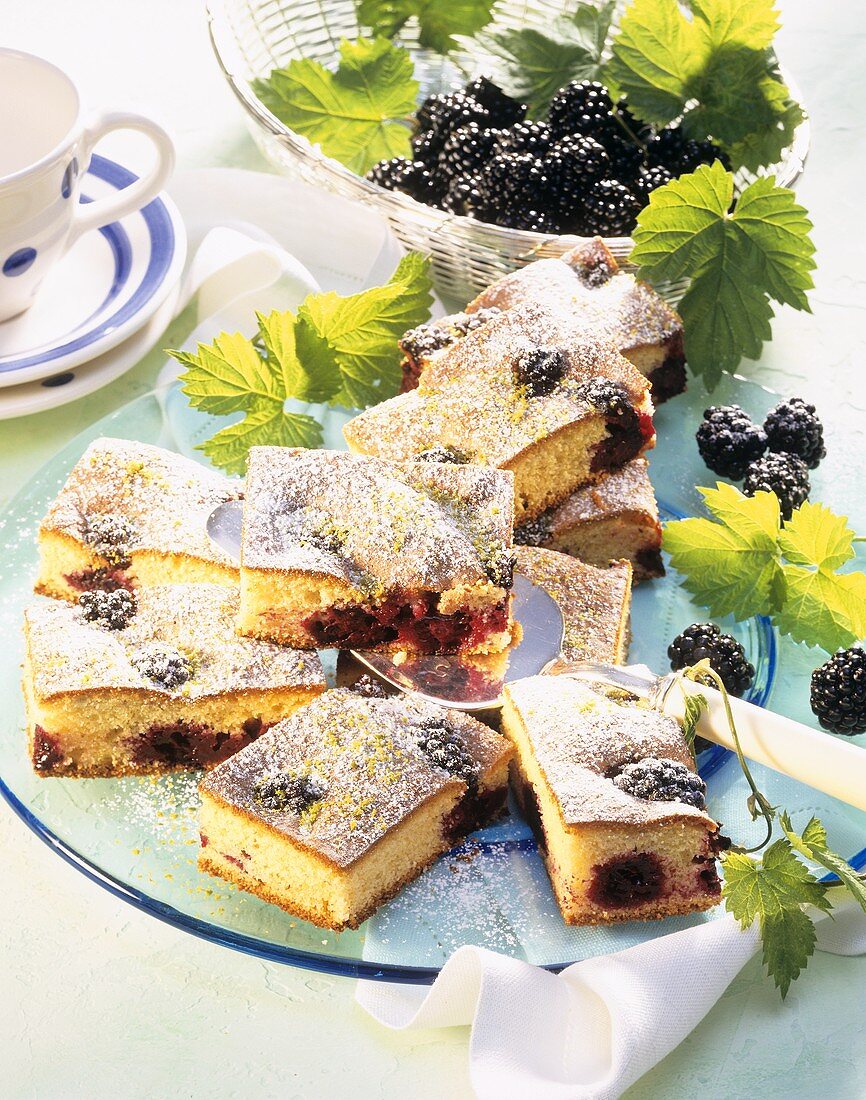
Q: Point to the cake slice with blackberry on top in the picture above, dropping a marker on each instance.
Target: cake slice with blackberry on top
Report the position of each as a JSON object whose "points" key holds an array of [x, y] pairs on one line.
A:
{"points": [[153, 681], [345, 551], [617, 517], [131, 514], [335, 809], [609, 789], [523, 393], [600, 299]]}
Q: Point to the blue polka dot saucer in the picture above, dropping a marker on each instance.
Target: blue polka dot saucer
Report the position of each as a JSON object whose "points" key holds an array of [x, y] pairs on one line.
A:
{"points": [[110, 284]]}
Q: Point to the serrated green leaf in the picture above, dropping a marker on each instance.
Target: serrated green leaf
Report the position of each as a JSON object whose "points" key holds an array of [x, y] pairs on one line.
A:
{"points": [[757, 517], [813, 845], [822, 608], [816, 536], [765, 147], [747, 22], [358, 113], [304, 377], [227, 375], [532, 65], [268, 426], [788, 940], [437, 21], [694, 703]]}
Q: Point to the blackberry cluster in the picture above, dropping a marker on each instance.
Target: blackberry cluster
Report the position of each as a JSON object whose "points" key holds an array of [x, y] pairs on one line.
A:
{"points": [[441, 452], [113, 609], [540, 369], [588, 168], [662, 781], [167, 667], [838, 692], [706, 642], [285, 791], [368, 687], [499, 567], [110, 535], [775, 457], [443, 748], [535, 532]]}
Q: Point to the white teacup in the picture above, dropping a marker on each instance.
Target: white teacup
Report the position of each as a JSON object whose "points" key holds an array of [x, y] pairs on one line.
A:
{"points": [[45, 149]]}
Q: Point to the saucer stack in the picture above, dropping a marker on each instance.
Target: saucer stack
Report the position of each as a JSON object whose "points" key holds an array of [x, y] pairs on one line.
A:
{"points": [[100, 309]]}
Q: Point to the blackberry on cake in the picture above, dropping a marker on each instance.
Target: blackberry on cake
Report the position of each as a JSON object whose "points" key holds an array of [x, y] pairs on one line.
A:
{"points": [[785, 475], [608, 789], [793, 427], [170, 684], [838, 692], [131, 515], [346, 551], [728, 441], [706, 642], [334, 810]]}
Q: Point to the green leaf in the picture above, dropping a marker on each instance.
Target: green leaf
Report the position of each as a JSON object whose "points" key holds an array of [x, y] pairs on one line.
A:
{"points": [[747, 22], [358, 113], [307, 379], [730, 566], [437, 21], [765, 147], [737, 261], [815, 536], [822, 608], [268, 426], [813, 845], [788, 941], [695, 703], [532, 65], [359, 334], [226, 375]]}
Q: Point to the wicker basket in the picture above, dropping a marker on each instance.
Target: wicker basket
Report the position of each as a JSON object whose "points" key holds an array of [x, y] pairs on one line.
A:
{"points": [[252, 37]]}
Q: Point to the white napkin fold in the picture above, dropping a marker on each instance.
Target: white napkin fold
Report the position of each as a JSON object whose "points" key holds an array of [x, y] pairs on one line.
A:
{"points": [[593, 1030]]}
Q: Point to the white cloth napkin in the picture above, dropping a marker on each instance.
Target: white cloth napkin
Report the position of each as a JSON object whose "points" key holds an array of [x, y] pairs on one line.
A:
{"points": [[591, 1031]]}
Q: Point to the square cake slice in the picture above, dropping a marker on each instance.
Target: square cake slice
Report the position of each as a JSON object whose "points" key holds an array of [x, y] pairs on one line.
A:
{"points": [[129, 515], [350, 552], [127, 684], [525, 392], [587, 283], [335, 809], [617, 517], [609, 789]]}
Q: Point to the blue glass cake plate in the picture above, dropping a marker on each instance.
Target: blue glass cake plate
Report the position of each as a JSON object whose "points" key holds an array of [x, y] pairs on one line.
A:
{"points": [[137, 837]]}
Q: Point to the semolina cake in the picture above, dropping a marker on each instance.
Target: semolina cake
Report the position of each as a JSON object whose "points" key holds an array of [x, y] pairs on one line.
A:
{"points": [[335, 809], [131, 514], [153, 681], [353, 552], [609, 789]]}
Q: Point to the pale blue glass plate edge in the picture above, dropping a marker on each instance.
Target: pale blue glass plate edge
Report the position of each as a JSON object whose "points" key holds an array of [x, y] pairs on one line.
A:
{"points": [[311, 960]]}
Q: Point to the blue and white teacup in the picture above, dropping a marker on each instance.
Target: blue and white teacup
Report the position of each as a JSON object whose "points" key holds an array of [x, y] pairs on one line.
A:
{"points": [[45, 148]]}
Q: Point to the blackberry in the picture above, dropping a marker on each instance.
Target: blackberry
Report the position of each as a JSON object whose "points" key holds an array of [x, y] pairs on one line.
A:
{"points": [[793, 427], [110, 535], [838, 692], [516, 192], [368, 687], [665, 149], [502, 109], [464, 197], [706, 642], [442, 453], [610, 209], [444, 749], [533, 221], [626, 158], [535, 532], [426, 147], [165, 666], [425, 339], [540, 369], [287, 792], [572, 165], [447, 111], [785, 475], [499, 567], [525, 137], [662, 781], [608, 397], [113, 610], [696, 153], [728, 441], [411, 177], [466, 150], [648, 179], [581, 107], [469, 322]]}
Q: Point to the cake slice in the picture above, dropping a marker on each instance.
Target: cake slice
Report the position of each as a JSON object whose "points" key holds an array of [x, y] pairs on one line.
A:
{"points": [[609, 789], [129, 515], [353, 552], [617, 517], [525, 393], [336, 808], [595, 603], [125, 684], [603, 301]]}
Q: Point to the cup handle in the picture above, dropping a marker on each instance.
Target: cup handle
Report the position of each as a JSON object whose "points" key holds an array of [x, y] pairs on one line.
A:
{"points": [[104, 211]]}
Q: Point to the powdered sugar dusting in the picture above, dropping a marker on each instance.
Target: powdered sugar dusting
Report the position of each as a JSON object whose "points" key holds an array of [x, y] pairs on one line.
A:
{"points": [[627, 490]]}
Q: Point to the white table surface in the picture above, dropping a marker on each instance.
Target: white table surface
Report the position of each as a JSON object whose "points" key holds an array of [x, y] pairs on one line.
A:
{"points": [[100, 1001]]}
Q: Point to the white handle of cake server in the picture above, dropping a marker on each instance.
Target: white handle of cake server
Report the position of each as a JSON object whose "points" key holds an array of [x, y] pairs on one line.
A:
{"points": [[820, 760]]}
